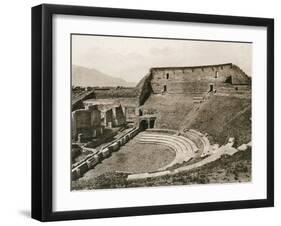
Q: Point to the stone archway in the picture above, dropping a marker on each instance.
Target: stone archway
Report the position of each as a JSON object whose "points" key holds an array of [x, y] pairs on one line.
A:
{"points": [[151, 123], [144, 125], [147, 123], [228, 79]]}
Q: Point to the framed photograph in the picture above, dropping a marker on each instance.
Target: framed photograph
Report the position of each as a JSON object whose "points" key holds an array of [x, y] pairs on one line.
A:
{"points": [[145, 112]]}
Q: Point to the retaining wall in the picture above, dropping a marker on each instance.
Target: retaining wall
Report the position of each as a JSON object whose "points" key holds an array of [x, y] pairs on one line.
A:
{"points": [[92, 160], [196, 79]]}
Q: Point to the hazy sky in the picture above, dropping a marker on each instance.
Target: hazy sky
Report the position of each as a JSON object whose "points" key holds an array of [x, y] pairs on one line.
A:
{"points": [[131, 58]]}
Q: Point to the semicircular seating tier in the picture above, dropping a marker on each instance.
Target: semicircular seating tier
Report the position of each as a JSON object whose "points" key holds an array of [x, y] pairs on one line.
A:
{"points": [[200, 140], [184, 148]]}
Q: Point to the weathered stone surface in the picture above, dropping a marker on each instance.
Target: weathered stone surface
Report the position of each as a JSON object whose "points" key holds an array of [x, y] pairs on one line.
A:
{"points": [[243, 147], [197, 79]]}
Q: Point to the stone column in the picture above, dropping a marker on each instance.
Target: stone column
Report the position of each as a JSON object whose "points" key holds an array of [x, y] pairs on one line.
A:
{"points": [[115, 120], [104, 118], [94, 133], [125, 113]]}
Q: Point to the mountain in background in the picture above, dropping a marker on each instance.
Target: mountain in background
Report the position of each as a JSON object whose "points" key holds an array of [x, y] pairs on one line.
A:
{"points": [[82, 76]]}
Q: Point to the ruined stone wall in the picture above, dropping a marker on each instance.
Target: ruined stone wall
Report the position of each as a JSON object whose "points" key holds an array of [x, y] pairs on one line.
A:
{"points": [[93, 159], [196, 79], [114, 92], [130, 113], [81, 122], [86, 122], [82, 118], [108, 118], [177, 87], [95, 116], [119, 116]]}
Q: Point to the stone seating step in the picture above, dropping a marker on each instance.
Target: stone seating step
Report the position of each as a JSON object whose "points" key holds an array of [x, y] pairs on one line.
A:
{"points": [[175, 146], [186, 141], [171, 139]]}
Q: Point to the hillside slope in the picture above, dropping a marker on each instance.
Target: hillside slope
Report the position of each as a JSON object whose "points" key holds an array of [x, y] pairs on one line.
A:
{"points": [[220, 116], [223, 117], [82, 76], [171, 110]]}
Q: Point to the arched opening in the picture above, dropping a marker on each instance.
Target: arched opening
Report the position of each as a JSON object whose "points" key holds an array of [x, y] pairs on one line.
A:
{"points": [[140, 112], [143, 125], [151, 123], [165, 88], [167, 76], [228, 79]]}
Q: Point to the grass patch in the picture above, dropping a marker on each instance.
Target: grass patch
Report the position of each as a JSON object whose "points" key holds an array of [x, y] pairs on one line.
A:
{"points": [[171, 110], [223, 117]]}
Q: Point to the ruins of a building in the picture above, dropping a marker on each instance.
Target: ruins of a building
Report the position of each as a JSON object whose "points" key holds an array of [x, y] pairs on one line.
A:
{"points": [[115, 112], [90, 122], [198, 79], [86, 123], [159, 115]]}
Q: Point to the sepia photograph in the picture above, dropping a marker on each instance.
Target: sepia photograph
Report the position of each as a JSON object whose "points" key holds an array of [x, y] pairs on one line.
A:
{"points": [[149, 111], [139, 112]]}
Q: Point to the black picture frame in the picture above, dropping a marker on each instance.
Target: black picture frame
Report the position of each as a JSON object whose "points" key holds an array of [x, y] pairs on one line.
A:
{"points": [[42, 111]]}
